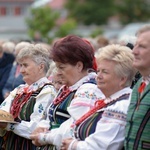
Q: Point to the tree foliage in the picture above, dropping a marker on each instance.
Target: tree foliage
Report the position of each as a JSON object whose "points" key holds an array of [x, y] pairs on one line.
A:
{"points": [[90, 11], [134, 10], [98, 11], [66, 28], [43, 20]]}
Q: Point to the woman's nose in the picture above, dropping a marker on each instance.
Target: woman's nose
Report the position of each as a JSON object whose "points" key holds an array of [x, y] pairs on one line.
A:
{"points": [[21, 69], [99, 74]]}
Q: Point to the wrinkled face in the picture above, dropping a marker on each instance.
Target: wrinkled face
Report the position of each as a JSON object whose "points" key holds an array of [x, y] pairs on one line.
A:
{"points": [[30, 70], [141, 53], [107, 80], [68, 73]]}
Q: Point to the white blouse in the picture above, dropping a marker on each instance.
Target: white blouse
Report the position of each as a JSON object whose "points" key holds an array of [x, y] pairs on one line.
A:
{"points": [[83, 101], [110, 129], [43, 99]]}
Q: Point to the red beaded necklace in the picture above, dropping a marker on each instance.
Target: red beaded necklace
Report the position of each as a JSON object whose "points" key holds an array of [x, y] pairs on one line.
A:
{"points": [[18, 103], [99, 104], [62, 95]]}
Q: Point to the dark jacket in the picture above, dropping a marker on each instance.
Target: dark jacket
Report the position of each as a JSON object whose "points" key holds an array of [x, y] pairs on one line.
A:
{"points": [[12, 81], [6, 63]]}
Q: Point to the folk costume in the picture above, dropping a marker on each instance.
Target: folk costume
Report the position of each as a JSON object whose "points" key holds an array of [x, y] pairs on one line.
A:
{"points": [[81, 99], [104, 126], [27, 105], [103, 129]]}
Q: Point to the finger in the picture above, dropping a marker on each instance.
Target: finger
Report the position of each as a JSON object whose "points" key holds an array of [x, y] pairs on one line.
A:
{"points": [[32, 137]]}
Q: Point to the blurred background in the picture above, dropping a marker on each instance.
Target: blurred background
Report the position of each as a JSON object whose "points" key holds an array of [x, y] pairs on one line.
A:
{"points": [[47, 20]]}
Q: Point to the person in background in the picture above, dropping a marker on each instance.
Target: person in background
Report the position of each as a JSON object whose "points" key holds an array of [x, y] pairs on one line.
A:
{"points": [[55, 77], [8, 47], [28, 101], [129, 41], [138, 118], [6, 63], [15, 78], [37, 38], [101, 41], [103, 127], [75, 62]]}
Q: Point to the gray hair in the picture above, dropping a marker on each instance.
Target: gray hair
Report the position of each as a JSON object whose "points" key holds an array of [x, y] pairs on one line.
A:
{"points": [[143, 29], [123, 58], [20, 46], [37, 53], [8, 47]]}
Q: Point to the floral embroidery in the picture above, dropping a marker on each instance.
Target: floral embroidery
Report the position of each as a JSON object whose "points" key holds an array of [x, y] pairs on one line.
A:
{"points": [[115, 115], [40, 108], [86, 94], [12, 126]]}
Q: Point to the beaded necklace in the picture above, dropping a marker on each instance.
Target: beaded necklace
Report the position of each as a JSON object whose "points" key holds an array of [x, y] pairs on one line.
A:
{"points": [[99, 104], [63, 94], [18, 102]]}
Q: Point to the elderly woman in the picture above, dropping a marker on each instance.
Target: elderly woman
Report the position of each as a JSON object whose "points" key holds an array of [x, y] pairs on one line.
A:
{"points": [[75, 62], [28, 101], [103, 127]]}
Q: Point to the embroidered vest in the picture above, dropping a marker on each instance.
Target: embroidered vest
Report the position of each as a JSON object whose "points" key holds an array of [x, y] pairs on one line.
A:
{"points": [[58, 113], [12, 141], [88, 126], [138, 120], [22, 105]]}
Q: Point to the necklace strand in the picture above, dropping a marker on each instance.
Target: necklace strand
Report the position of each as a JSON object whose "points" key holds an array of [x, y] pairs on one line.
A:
{"points": [[99, 104], [64, 93]]}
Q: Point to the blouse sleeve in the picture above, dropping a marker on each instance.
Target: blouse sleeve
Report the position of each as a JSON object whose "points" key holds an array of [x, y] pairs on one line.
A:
{"points": [[110, 129], [25, 128], [6, 104], [109, 134]]}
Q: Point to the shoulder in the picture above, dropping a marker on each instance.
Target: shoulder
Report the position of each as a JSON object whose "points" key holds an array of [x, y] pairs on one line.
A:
{"points": [[48, 88], [89, 90]]}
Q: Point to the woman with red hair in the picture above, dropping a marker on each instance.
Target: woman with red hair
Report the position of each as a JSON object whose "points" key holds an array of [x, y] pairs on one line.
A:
{"points": [[75, 61]]}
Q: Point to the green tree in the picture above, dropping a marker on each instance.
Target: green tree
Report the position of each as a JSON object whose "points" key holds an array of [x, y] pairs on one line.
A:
{"points": [[133, 10], [66, 28], [42, 20], [91, 11]]}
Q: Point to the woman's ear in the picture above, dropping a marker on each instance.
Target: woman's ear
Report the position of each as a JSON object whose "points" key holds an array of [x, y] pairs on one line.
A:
{"points": [[79, 66], [41, 67], [123, 81]]}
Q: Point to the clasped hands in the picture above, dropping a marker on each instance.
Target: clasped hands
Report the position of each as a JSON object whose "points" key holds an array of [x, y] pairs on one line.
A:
{"points": [[35, 135]]}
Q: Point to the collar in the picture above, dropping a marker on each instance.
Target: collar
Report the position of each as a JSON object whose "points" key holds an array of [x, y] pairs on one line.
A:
{"points": [[81, 81], [146, 79]]}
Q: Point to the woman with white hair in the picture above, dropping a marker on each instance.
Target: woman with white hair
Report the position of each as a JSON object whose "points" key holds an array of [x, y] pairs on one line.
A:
{"points": [[27, 102]]}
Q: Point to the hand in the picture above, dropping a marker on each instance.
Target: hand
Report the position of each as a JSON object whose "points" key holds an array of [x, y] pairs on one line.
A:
{"points": [[35, 139], [39, 130], [35, 135], [3, 125], [65, 143]]}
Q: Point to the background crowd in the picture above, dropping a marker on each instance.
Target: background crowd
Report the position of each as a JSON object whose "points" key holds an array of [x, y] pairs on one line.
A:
{"points": [[77, 93]]}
